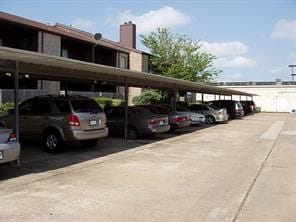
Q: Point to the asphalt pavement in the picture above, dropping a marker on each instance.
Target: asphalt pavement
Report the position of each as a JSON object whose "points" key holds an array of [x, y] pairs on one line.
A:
{"points": [[243, 171]]}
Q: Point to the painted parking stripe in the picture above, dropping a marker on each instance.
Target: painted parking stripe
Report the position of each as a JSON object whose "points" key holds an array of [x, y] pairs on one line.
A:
{"points": [[273, 131], [288, 133]]}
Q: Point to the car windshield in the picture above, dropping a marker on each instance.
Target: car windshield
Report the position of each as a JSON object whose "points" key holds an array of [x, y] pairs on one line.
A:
{"points": [[182, 109], [138, 110], [163, 110], [212, 106], [85, 106]]}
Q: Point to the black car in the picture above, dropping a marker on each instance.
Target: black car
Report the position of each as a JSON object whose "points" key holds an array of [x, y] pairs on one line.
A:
{"points": [[234, 108], [249, 106]]}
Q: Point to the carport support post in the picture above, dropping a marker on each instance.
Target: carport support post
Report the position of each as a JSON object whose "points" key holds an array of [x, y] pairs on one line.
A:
{"points": [[16, 108], [175, 98], [219, 100], [202, 102], [125, 109]]}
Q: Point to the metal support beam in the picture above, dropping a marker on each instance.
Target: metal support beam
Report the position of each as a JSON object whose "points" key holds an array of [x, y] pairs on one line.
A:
{"points": [[174, 98], [16, 107], [219, 100], [125, 109], [202, 102], [66, 88], [16, 99]]}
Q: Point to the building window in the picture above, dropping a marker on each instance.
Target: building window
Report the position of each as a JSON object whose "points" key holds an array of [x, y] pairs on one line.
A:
{"points": [[65, 53], [123, 61]]}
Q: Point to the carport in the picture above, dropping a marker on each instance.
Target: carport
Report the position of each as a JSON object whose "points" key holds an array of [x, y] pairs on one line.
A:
{"points": [[48, 67]]}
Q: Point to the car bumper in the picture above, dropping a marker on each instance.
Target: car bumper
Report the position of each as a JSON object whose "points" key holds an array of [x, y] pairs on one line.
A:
{"points": [[77, 135], [198, 121], [180, 124], [9, 152], [161, 129], [221, 118]]}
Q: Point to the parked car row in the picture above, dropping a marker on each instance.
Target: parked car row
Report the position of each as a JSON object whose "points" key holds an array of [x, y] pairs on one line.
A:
{"points": [[56, 120]]}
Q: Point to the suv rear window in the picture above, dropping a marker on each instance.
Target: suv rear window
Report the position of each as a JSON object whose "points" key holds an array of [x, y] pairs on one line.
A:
{"points": [[85, 106], [63, 106]]}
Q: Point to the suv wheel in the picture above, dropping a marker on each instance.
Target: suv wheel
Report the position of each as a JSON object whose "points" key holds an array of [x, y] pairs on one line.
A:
{"points": [[89, 143], [210, 119], [52, 142], [132, 133]]}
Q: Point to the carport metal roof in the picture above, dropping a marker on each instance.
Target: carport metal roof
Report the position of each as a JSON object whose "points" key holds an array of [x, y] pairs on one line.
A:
{"points": [[51, 67]]}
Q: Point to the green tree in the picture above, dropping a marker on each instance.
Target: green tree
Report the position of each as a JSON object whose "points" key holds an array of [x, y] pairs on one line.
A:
{"points": [[179, 56]]}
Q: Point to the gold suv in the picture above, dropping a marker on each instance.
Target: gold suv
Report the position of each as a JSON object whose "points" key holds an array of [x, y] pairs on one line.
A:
{"points": [[56, 120]]}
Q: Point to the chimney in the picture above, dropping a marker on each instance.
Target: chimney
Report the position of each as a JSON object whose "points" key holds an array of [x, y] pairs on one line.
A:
{"points": [[128, 35]]}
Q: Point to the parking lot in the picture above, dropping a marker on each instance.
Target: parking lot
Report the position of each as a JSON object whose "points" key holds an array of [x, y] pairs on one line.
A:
{"points": [[241, 171]]}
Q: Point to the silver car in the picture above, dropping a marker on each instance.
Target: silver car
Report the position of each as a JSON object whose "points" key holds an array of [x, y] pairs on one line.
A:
{"points": [[9, 147], [212, 115], [56, 120]]}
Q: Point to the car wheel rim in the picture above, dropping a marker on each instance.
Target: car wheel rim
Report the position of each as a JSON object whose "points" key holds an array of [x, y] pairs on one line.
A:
{"points": [[132, 134], [210, 120], [51, 142]]}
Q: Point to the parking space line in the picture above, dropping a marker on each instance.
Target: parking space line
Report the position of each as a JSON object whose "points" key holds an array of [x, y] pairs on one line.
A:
{"points": [[288, 133], [273, 131]]}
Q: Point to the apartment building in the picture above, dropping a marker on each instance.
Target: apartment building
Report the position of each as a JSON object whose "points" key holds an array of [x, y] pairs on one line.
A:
{"points": [[66, 41]]}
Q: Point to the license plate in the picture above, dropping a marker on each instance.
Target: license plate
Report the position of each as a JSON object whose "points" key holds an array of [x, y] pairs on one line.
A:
{"points": [[93, 122], [1, 155], [160, 122]]}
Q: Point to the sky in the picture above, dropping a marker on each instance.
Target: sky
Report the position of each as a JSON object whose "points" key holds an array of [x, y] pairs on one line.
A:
{"points": [[253, 40]]}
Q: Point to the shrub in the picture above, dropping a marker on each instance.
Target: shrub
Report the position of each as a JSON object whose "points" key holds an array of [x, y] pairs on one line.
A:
{"points": [[107, 102], [104, 102], [117, 102], [147, 97], [4, 107]]}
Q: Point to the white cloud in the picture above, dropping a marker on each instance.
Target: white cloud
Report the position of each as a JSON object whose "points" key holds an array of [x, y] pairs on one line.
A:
{"points": [[225, 48], [284, 29], [164, 17], [83, 24], [229, 54], [234, 61]]}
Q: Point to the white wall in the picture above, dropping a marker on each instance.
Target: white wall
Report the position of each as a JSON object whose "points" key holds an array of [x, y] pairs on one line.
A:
{"points": [[277, 98]]}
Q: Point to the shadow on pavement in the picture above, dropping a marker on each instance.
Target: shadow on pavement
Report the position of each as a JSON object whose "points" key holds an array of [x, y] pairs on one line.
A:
{"points": [[35, 160]]}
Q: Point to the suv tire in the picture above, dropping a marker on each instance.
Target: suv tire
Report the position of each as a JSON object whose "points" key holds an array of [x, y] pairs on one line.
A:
{"points": [[89, 143], [52, 141]]}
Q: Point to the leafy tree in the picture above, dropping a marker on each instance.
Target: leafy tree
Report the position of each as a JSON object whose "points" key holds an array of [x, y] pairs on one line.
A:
{"points": [[180, 57]]}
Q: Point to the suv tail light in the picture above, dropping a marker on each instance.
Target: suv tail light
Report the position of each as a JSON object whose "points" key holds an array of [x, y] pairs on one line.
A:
{"points": [[73, 120], [12, 138]]}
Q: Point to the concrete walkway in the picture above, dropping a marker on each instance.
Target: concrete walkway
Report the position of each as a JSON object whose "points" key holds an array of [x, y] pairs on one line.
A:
{"points": [[241, 171]]}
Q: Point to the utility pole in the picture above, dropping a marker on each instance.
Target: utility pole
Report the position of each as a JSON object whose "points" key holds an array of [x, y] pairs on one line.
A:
{"points": [[292, 71]]}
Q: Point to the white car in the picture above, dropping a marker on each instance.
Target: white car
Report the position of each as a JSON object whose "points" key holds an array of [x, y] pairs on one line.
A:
{"points": [[196, 118], [9, 147]]}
